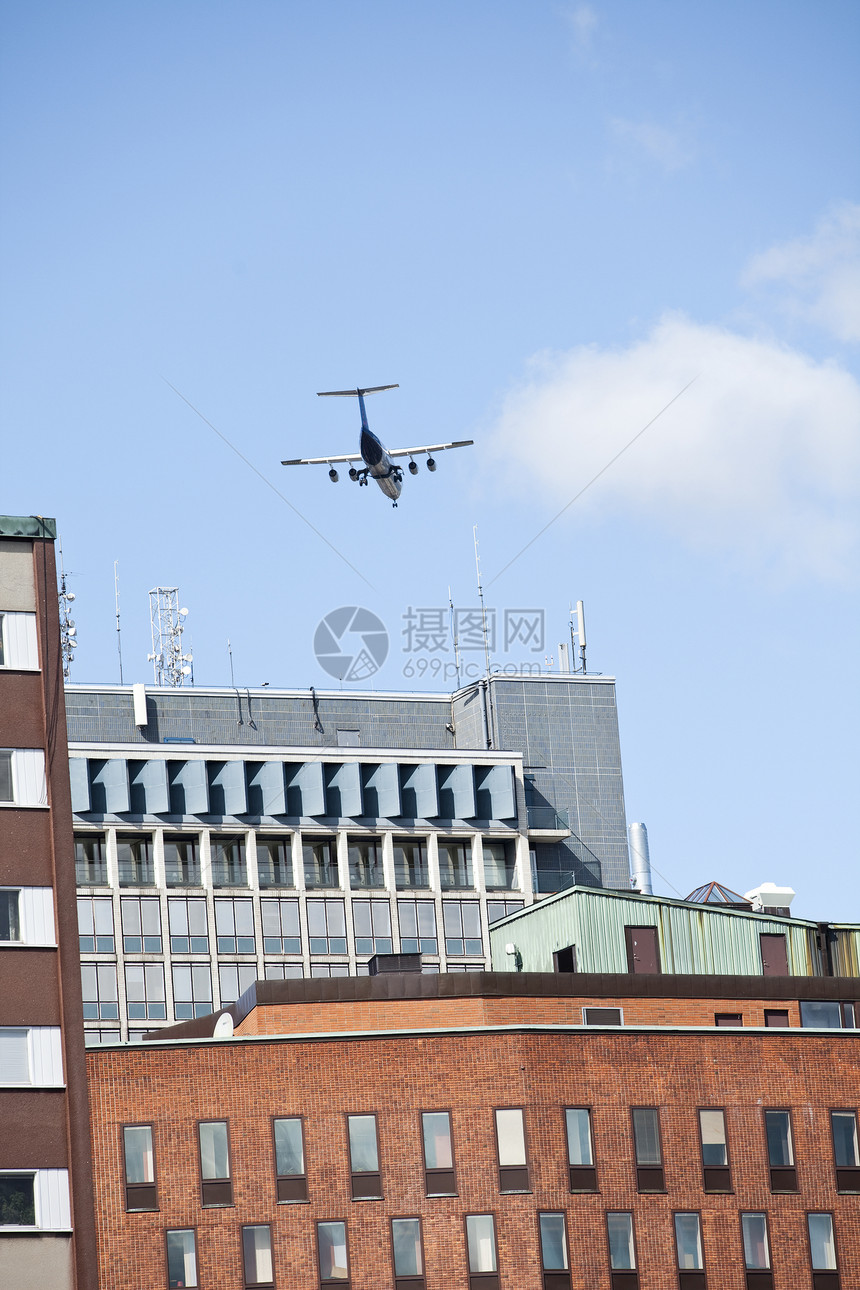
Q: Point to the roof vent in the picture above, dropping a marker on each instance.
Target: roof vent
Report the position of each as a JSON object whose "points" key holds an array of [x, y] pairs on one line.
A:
{"points": [[770, 899], [383, 963]]}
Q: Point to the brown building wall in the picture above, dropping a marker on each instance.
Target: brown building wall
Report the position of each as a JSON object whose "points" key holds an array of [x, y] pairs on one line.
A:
{"points": [[396, 1077], [418, 1014], [25, 848]]}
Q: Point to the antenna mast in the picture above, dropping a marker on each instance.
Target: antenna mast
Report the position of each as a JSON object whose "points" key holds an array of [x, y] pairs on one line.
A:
{"points": [[577, 634], [68, 630], [454, 638], [170, 665], [481, 599], [116, 598]]}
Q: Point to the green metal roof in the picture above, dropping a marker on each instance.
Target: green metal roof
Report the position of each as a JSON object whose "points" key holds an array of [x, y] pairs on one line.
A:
{"points": [[29, 526]]}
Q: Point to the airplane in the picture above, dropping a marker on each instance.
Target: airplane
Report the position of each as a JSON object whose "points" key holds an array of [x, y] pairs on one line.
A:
{"points": [[378, 460]]}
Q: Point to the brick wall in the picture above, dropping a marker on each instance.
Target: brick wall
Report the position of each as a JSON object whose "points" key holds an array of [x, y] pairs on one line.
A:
{"points": [[396, 1077]]}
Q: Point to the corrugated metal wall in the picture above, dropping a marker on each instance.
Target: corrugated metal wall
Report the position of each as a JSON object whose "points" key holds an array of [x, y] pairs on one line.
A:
{"points": [[692, 938]]}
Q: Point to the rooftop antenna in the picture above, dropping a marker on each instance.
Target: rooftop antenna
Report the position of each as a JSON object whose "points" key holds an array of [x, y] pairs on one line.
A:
{"points": [[230, 656], [455, 638], [481, 599], [170, 665], [577, 635], [68, 630], [116, 599]]}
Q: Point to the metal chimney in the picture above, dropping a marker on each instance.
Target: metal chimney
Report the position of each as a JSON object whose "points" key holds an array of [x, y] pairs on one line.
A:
{"points": [[640, 858]]}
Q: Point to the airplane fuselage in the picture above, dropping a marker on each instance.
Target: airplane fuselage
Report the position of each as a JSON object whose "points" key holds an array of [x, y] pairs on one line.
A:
{"points": [[375, 456]]}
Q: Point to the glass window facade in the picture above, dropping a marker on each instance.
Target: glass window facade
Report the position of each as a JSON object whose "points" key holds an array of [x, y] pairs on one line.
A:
{"points": [[95, 924], [372, 926], [462, 919], [455, 863], [410, 864], [274, 862], [365, 862], [234, 925], [181, 861], [189, 925], [134, 860], [141, 924], [90, 861]]}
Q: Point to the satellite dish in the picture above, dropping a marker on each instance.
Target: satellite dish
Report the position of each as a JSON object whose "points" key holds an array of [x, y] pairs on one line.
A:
{"points": [[183, 612], [223, 1027]]}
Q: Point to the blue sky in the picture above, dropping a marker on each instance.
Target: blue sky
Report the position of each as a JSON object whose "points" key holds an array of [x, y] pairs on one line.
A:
{"points": [[543, 221]]}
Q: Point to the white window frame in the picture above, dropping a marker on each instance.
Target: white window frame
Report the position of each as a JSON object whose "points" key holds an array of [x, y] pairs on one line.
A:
{"points": [[29, 785], [20, 652]]}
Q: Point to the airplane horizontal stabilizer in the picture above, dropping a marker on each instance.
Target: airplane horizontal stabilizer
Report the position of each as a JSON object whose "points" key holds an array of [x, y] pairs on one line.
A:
{"points": [[352, 394]]}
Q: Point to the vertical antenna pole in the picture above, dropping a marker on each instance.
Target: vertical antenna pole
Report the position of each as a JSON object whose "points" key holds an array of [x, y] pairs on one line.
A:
{"points": [[455, 639], [116, 598], [230, 655], [580, 631], [481, 599]]}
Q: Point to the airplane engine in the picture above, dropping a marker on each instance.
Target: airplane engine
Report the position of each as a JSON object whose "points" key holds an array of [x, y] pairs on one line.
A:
{"points": [[413, 468], [353, 473], [333, 475], [431, 464]]}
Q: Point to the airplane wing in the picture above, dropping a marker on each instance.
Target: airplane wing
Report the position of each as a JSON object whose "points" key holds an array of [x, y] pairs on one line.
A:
{"points": [[321, 461], [432, 447]]}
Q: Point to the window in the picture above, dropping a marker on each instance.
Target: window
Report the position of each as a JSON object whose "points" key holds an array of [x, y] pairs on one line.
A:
{"points": [[189, 929], [141, 925], [181, 861], [281, 934], [14, 1056], [292, 1182], [365, 862], [481, 1252], [511, 1148], [98, 983], [462, 920], [234, 979], [776, 1016], [580, 1149], [688, 1249], [283, 971], [728, 1019], [100, 1035], [333, 1254], [216, 1184], [648, 1149], [18, 644], [234, 926], [716, 1175], [274, 862], [257, 1263], [90, 864], [326, 926], [774, 955], [822, 1251], [780, 1151], [95, 924], [17, 1200], [364, 1157], [329, 969], [499, 865], [192, 990], [553, 1252], [603, 1016], [228, 860], [756, 1251], [320, 862], [134, 861], [139, 1158], [438, 1144], [622, 1251], [846, 1153], [372, 922], [497, 909], [643, 950], [407, 1251], [22, 777], [455, 863], [417, 926], [10, 922], [144, 988], [826, 1015], [410, 863], [181, 1258]]}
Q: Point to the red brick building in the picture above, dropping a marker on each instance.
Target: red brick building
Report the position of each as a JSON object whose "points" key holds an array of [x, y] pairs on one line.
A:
{"points": [[475, 1131]]}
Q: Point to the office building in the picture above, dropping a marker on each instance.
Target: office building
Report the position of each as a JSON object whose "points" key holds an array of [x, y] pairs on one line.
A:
{"points": [[226, 836]]}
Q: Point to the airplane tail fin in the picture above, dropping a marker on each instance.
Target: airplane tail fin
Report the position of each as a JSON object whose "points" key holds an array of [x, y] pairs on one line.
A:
{"points": [[353, 394]]}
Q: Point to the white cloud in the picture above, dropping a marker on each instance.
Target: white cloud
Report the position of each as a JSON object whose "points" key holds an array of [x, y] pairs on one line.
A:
{"points": [[820, 273], [667, 147], [582, 21], [761, 456]]}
